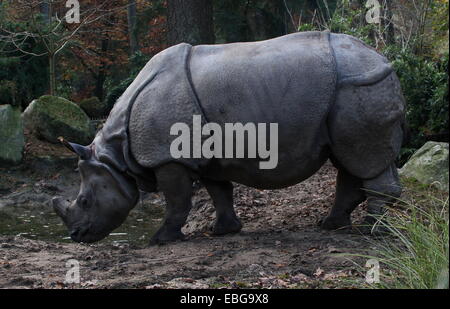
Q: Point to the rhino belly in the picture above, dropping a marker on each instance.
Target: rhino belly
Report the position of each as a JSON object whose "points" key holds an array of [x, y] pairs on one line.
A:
{"points": [[289, 171]]}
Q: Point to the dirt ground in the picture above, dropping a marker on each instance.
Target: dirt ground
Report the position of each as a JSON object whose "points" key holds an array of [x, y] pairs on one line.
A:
{"points": [[280, 246]]}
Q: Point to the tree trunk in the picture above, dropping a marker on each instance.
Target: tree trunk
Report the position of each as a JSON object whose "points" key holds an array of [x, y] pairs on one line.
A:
{"points": [[44, 8], [52, 73], [102, 72], [134, 44], [389, 23], [190, 21]]}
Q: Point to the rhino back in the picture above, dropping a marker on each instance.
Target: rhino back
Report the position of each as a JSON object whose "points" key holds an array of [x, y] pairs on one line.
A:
{"points": [[358, 64], [289, 80]]}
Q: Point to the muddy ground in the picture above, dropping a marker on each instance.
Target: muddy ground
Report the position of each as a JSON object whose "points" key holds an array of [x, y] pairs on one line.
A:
{"points": [[280, 246]]}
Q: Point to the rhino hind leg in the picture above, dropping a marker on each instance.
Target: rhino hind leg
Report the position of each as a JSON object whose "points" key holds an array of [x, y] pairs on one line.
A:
{"points": [[221, 193], [382, 190], [175, 181], [348, 196], [366, 127]]}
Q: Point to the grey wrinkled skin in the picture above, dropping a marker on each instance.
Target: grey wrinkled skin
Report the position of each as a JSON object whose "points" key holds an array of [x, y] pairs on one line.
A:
{"points": [[332, 96]]}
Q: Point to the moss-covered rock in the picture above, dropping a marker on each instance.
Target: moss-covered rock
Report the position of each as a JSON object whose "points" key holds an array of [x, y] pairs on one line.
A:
{"points": [[11, 136], [429, 165], [51, 117], [94, 108]]}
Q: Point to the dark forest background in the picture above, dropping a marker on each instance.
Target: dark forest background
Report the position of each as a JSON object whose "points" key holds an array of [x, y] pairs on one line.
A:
{"points": [[40, 53]]}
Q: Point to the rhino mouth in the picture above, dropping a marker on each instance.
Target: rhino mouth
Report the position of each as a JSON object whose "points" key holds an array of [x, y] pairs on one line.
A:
{"points": [[87, 234], [78, 234]]}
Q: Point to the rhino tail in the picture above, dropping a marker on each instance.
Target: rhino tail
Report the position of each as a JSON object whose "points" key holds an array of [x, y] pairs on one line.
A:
{"points": [[368, 78]]}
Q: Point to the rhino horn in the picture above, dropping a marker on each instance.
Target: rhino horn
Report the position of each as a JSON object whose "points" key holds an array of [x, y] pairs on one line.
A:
{"points": [[60, 207], [83, 152]]}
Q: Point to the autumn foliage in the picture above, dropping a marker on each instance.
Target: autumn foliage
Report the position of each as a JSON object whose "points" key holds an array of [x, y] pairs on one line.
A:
{"points": [[85, 58]]}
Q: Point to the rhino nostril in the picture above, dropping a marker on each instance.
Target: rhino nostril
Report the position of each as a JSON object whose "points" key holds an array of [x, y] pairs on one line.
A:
{"points": [[74, 234]]}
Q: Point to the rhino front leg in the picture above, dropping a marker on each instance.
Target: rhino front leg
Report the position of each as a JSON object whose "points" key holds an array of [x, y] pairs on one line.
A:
{"points": [[175, 182], [222, 195], [348, 196]]}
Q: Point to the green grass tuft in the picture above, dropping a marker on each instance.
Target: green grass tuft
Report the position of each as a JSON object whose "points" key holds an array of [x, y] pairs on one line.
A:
{"points": [[416, 255]]}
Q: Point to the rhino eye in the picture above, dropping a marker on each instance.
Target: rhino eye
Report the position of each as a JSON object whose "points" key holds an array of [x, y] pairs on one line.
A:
{"points": [[84, 203]]}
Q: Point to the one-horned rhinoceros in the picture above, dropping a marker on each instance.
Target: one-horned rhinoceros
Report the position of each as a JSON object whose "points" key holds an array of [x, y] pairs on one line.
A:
{"points": [[332, 96]]}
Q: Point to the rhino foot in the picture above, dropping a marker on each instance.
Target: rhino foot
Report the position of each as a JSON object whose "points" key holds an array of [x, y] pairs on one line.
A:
{"points": [[331, 223], [227, 226], [164, 236]]}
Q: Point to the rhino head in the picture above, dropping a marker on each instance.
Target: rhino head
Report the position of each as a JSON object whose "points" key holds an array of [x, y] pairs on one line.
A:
{"points": [[105, 198]]}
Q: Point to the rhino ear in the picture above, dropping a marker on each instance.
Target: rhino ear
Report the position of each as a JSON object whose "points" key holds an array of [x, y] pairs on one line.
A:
{"points": [[82, 151]]}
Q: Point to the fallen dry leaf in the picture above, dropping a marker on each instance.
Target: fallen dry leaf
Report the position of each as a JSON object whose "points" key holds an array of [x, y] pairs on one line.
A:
{"points": [[319, 272]]}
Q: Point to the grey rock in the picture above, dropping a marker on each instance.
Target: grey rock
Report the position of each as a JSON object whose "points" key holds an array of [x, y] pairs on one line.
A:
{"points": [[429, 165], [52, 117], [94, 108], [12, 140]]}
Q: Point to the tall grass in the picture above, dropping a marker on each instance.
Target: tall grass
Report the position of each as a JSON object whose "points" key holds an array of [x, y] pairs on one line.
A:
{"points": [[416, 255]]}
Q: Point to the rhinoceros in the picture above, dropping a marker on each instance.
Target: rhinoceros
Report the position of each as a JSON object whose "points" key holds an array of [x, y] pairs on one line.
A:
{"points": [[332, 96]]}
